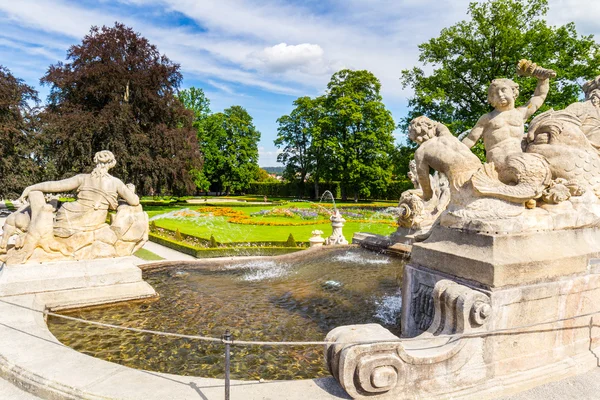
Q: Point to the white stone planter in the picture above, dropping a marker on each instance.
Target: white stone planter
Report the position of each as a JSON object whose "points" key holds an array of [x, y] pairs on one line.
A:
{"points": [[316, 240]]}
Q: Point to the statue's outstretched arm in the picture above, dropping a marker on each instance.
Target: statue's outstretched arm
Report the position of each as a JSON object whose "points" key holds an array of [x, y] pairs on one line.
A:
{"points": [[64, 185], [475, 133], [126, 194]]}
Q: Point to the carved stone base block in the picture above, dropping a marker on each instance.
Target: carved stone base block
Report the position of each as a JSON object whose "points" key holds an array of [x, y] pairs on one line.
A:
{"points": [[399, 242], [530, 352], [106, 280], [529, 305]]}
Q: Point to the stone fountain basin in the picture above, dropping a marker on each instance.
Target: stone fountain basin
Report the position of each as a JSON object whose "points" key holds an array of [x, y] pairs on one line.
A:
{"points": [[34, 360]]}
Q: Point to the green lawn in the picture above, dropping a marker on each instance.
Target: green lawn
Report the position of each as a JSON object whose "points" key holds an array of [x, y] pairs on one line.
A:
{"points": [[147, 255], [9, 205], [225, 232]]}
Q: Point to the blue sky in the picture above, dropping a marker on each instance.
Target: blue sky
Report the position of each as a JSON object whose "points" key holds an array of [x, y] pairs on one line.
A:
{"points": [[261, 55]]}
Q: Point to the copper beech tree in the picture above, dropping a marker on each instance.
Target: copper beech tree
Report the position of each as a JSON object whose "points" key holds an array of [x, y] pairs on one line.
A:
{"points": [[117, 92]]}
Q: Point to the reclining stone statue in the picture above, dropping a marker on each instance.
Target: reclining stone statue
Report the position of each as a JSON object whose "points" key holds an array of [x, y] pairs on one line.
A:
{"points": [[78, 229]]}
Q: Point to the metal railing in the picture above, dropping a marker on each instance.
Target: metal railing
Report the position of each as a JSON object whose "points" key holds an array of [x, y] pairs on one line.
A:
{"points": [[228, 340]]}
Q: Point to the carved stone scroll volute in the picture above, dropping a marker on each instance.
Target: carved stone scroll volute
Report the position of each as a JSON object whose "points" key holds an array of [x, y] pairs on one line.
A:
{"points": [[369, 361]]}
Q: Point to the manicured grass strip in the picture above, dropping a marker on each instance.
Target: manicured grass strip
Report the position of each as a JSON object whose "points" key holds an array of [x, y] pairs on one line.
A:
{"points": [[169, 235], [150, 203], [147, 255], [225, 232], [9, 205]]}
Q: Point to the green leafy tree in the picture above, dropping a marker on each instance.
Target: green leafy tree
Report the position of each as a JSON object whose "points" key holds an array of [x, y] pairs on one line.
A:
{"points": [[362, 129], [467, 56], [19, 157], [240, 150], [401, 157], [230, 146], [298, 134], [263, 176], [117, 92], [196, 101], [213, 143]]}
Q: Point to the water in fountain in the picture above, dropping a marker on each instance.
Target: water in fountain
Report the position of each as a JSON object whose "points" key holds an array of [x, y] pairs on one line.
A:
{"points": [[389, 308], [325, 193], [259, 270], [258, 300]]}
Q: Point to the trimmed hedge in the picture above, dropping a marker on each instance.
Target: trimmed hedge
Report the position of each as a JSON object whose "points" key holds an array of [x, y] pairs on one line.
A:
{"points": [[239, 204], [158, 202], [207, 252], [394, 190], [180, 247], [278, 189]]}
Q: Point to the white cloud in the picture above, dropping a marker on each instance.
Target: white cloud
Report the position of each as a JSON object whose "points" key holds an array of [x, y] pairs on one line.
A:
{"points": [[279, 46], [283, 57], [585, 17], [268, 157], [220, 86]]}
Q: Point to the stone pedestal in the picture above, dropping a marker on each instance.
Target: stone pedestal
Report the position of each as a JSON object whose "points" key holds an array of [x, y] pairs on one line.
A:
{"points": [[528, 305], [337, 236], [77, 283], [316, 240]]}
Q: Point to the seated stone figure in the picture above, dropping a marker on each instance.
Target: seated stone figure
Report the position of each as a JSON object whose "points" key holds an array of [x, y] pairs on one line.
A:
{"points": [[443, 152], [78, 229], [96, 194], [503, 129]]}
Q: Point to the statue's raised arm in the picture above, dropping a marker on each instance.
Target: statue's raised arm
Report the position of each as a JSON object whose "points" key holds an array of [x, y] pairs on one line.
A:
{"points": [[543, 75]]}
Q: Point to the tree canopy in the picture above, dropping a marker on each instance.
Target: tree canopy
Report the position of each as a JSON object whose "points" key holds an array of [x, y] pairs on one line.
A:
{"points": [[19, 160], [467, 56], [298, 135], [230, 143], [117, 92], [362, 127], [345, 135], [196, 101]]}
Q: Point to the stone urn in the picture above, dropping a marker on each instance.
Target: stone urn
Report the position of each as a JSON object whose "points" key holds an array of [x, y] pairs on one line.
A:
{"points": [[316, 240], [337, 223]]}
